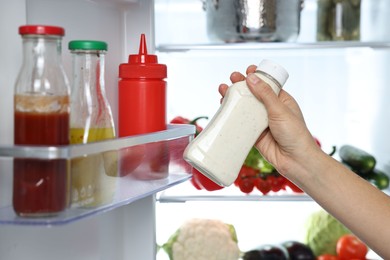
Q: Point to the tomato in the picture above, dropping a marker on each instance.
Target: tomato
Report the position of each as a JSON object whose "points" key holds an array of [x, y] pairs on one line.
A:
{"points": [[277, 182], [350, 247], [247, 185], [327, 257], [245, 179], [262, 185], [293, 187]]}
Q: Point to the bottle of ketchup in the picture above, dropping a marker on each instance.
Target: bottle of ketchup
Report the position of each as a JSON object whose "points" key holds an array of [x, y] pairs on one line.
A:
{"points": [[41, 117], [142, 109], [142, 94]]}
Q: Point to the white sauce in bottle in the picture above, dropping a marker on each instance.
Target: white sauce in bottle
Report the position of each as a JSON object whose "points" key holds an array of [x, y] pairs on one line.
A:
{"points": [[219, 151]]}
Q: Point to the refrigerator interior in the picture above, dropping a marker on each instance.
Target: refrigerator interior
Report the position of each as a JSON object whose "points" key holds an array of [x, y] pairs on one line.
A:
{"points": [[342, 90], [342, 93]]}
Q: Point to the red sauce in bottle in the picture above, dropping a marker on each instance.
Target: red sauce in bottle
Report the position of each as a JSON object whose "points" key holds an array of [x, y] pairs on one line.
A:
{"points": [[41, 118], [40, 185]]}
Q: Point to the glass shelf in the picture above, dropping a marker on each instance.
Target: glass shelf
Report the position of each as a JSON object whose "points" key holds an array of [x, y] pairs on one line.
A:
{"points": [[143, 164], [272, 46], [186, 192]]}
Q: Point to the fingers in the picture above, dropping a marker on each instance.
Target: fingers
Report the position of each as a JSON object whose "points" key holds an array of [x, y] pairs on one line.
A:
{"points": [[236, 76], [251, 69], [270, 99], [261, 90], [291, 103], [222, 90]]}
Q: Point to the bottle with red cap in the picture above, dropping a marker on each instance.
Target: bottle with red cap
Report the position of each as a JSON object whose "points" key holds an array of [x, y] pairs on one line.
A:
{"points": [[41, 117], [142, 109]]}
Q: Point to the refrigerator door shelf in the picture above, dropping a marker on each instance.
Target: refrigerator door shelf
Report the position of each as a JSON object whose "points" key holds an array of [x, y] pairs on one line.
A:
{"points": [[114, 172]]}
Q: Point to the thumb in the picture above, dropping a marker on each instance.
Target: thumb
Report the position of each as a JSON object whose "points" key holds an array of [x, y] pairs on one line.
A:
{"points": [[262, 91]]}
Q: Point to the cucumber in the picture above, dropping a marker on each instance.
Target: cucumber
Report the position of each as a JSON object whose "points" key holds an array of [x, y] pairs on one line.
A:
{"points": [[379, 179], [360, 161]]}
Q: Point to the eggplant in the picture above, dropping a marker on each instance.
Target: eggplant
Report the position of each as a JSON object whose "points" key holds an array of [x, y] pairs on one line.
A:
{"points": [[298, 251], [267, 252]]}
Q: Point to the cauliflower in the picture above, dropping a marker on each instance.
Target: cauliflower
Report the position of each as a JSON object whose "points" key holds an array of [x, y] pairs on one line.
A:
{"points": [[203, 239]]}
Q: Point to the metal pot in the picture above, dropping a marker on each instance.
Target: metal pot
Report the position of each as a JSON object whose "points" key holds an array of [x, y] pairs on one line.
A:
{"points": [[253, 20]]}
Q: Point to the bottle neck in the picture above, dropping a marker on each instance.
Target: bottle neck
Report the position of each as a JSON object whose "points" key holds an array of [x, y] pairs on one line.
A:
{"points": [[88, 72], [90, 107], [42, 72], [269, 77], [41, 51]]}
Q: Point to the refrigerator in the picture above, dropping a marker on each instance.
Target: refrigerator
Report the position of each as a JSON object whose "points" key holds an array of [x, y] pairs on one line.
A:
{"points": [[340, 86]]}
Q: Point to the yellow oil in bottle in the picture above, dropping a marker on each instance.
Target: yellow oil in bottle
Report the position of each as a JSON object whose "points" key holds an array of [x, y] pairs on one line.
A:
{"points": [[94, 175]]}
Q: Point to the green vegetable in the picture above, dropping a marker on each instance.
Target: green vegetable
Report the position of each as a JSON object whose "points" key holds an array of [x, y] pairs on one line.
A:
{"points": [[199, 239], [256, 161], [379, 179], [322, 233], [360, 161]]}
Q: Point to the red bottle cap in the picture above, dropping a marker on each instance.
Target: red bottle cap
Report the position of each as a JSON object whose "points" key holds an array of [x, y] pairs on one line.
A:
{"points": [[41, 29], [142, 65]]}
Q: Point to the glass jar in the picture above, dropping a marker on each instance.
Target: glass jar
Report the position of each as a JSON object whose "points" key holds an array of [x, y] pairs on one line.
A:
{"points": [[41, 117], [338, 20], [93, 176]]}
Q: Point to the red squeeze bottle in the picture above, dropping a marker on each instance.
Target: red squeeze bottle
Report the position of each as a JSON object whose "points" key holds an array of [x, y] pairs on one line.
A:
{"points": [[141, 94]]}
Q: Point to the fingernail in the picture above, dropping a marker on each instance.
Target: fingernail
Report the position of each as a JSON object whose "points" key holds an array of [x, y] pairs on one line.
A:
{"points": [[253, 78]]}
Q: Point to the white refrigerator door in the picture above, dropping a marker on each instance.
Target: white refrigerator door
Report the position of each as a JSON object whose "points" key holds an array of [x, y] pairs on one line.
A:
{"points": [[124, 233]]}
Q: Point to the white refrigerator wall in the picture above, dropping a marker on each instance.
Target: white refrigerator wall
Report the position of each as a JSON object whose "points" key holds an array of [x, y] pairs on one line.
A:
{"points": [[124, 233]]}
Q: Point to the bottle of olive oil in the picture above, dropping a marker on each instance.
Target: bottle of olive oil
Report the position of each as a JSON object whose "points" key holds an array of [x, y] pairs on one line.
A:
{"points": [[93, 175], [338, 20]]}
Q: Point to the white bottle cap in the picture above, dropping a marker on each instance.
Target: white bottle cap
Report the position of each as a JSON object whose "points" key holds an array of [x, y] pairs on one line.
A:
{"points": [[274, 70]]}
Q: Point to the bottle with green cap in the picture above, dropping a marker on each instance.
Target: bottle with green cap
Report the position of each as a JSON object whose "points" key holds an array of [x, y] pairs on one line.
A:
{"points": [[91, 120]]}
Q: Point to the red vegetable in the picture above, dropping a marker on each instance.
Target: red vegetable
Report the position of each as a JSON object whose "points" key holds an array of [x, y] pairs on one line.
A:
{"points": [[350, 247], [262, 185], [183, 120], [277, 182], [327, 257], [246, 179], [293, 187], [198, 180], [202, 182]]}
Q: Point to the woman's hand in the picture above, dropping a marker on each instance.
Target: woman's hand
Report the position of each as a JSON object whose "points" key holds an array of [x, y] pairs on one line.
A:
{"points": [[288, 145], [235, 77], [287, 139]]}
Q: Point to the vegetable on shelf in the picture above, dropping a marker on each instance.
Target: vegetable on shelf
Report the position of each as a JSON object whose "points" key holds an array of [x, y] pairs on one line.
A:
{"points": [[198, 180], [350, 247], [364, 165], [360, 161], [292, 250], [200, 239], [257, 173], [183, 120], [322, 233]]}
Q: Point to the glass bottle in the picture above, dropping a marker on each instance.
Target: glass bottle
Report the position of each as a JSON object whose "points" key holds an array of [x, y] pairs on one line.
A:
{"points": [[221, 148], [41, 117], [93, 176], [338, 20]]}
